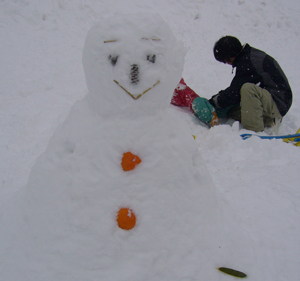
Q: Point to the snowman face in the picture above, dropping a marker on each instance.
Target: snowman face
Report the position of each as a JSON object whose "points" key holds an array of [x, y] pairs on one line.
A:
{"points": [[135, 64], [132, 63]]}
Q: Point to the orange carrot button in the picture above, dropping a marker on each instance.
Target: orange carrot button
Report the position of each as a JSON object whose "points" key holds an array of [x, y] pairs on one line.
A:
{"points": [[129, 161], [126, 219]]}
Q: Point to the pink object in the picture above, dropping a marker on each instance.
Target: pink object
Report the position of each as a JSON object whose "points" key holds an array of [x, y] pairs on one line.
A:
{"points": [[183, 95]]}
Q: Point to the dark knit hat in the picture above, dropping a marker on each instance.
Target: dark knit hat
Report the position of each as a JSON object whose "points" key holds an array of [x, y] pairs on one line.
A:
{"points": [[227, 47]]}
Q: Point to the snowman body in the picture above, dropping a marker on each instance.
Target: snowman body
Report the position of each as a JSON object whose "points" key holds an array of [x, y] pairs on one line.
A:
{"points": [[67, 214]]}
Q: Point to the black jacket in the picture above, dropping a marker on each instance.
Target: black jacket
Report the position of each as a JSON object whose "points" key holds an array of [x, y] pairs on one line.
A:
{"points": [[257, 67]]}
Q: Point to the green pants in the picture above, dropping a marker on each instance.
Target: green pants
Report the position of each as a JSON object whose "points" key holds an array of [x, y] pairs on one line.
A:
{"points": [[257, 109]]}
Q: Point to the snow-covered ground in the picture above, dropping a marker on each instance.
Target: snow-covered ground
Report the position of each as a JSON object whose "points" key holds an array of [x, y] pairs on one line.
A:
{"points": [[42, 77]]}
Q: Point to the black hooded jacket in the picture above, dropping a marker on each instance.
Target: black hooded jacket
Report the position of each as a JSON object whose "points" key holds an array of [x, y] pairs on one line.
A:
{"points": [[257, 67]]}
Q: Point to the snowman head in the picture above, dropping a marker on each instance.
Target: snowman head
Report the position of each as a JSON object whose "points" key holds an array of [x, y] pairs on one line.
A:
{"points": [[132, 64]]}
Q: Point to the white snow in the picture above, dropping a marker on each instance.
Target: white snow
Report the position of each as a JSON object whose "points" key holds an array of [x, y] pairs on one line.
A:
{"points": [[243, 215]]}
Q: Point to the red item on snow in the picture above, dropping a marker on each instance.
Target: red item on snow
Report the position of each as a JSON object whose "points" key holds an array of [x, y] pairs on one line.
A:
{"points": [[183, 95]]}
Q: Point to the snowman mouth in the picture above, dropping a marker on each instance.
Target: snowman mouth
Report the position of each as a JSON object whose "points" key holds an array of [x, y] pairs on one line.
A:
{"points": [[135, 97]]}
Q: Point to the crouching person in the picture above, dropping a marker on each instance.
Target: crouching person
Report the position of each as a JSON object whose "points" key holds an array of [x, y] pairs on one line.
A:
{"points": [[259, 94]]}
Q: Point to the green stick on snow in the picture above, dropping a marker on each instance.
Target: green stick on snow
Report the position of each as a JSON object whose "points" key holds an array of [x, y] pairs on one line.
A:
{"points": [[232, 272]]}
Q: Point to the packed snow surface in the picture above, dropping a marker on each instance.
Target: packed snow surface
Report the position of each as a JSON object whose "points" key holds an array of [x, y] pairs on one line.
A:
{"points": [[202, 203]]}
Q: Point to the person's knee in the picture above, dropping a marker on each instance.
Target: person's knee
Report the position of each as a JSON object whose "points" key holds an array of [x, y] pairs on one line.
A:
{"points": [[247, 88]]}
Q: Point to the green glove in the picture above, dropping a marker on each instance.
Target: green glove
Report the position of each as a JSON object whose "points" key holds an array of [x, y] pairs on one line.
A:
{"points": [[203, 109]]}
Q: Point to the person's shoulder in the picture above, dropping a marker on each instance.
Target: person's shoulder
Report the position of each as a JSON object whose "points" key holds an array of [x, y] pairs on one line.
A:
{"points": [[255, 50]]}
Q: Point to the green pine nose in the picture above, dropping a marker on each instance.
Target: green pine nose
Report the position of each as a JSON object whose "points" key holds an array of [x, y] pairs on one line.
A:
{"points": [[134, 74]]}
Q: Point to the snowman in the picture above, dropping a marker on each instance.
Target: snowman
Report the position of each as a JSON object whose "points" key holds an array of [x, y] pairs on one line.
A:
{"points": [[121, 192]]}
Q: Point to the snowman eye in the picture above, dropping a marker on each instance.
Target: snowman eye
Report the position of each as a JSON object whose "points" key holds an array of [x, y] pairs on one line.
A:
{"points": [[151, 58], [113, 59]]}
